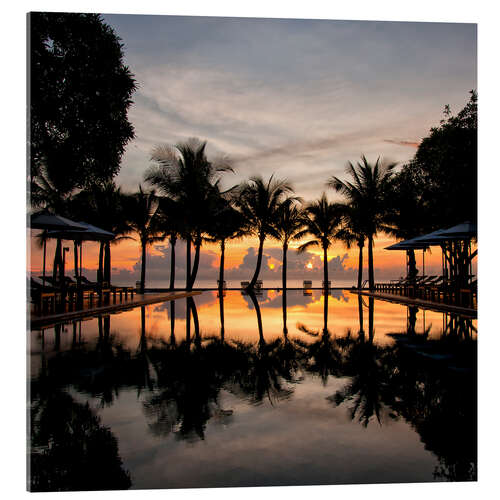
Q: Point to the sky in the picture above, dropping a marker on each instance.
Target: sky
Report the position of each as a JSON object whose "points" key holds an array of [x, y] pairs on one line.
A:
{"points": [[293, 98]]}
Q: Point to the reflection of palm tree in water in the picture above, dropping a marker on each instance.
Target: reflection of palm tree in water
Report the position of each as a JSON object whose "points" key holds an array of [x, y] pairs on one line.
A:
{"points": [[265, 368], [172, 322], [362, 362], [145, 369], [283, 304], [322, 357], [221, 312]]}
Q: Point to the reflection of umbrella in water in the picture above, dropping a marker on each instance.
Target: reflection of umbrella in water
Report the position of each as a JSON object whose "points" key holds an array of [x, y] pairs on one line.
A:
{"points": [[47, 221]]}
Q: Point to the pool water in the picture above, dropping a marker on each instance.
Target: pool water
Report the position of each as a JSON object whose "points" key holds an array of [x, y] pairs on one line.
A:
{"points": [[253, 390]]}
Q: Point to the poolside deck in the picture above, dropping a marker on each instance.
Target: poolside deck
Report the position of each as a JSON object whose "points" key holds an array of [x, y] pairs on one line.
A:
{"points": [[39, 321], [424, 304]]}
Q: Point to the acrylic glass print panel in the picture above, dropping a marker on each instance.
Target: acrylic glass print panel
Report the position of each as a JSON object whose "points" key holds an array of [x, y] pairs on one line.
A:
{"points": [[253, 252]]}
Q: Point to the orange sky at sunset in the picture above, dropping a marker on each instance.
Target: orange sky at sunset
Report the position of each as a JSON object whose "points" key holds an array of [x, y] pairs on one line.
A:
{"points": [[126, 254]]}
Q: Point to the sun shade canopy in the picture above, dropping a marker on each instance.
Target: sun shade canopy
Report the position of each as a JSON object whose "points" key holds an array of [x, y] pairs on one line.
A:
{"points": [[88, 233], [466, 230], [48, 221]]}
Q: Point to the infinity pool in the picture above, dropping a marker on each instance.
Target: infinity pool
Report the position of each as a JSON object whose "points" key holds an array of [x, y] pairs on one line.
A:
{"points": [[253, 390]]}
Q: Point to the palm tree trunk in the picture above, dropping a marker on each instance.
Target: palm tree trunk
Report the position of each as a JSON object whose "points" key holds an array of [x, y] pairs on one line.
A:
{"points": [[57, 261], [221, 311], [99, 270], [195, 319], [221, 267], [196, 262], [371, 279], [371, 306], [259, 263], [360, 266], [188, 261], [360, 314], [285, 329], [259, 317], [283, 304], [325, 313], [285, 249], [173, 240], [143, 266], [172, 322], [188, 321], [107, 263], [412, 264], [325, 268]]}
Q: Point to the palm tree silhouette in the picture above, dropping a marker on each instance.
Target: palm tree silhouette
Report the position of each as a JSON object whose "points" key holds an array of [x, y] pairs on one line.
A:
{"points": [[184, 173], [171, 223], [367, 194], [144, 220], [258, 201], [323, 220], [288, 224], [352, 232], [104, 206], [227, 224]]}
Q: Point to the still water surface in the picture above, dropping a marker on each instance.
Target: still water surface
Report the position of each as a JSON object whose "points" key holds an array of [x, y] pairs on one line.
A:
{"points": [[253, 391]]}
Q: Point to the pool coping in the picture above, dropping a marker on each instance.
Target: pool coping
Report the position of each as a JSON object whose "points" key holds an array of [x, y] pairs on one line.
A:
{"points": [[36, 322], [424, 304]]}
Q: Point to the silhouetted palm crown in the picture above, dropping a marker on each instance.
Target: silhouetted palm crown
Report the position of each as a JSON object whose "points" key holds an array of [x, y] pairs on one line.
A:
{"points": [[322, 222], [259, 202], [367, 192]]}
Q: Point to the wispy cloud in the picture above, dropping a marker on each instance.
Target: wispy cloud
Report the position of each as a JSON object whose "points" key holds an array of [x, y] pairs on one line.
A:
{"points": [[413, 144]]}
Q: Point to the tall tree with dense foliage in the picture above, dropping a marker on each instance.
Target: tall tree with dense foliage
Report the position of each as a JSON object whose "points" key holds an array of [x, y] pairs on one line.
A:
{"points": [[184, 173], [80, 92], [259, 201], [322, 223], [444, 169], [367, 192]]}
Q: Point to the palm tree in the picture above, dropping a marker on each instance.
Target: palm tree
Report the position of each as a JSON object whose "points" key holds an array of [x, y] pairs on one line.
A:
{"points": [[322, 223], [367, 193], [171, 224], [258, 201], [144, 220], [103, 206], [351, 233], [184, 173], [227, 224], [288, 224]]}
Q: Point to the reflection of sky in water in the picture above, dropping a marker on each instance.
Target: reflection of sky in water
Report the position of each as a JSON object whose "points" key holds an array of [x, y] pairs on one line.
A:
{"points": [[299, 434]]}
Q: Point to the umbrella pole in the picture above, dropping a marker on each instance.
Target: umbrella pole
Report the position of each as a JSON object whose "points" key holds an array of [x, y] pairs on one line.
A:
{"points": [[75, 252], [44, 254], [81, 250]]}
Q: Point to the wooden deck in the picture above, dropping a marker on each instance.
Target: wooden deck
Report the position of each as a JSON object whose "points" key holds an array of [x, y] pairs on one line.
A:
{"points": [[424, 304], [38, 321]]}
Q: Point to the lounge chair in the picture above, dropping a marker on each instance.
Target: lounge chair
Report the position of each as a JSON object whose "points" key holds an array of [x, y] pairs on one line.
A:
{"points": [[43, 297], [467, 294]]}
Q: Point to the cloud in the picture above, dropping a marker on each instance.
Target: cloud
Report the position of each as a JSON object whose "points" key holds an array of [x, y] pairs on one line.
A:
{"points": [[413, 144]]}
